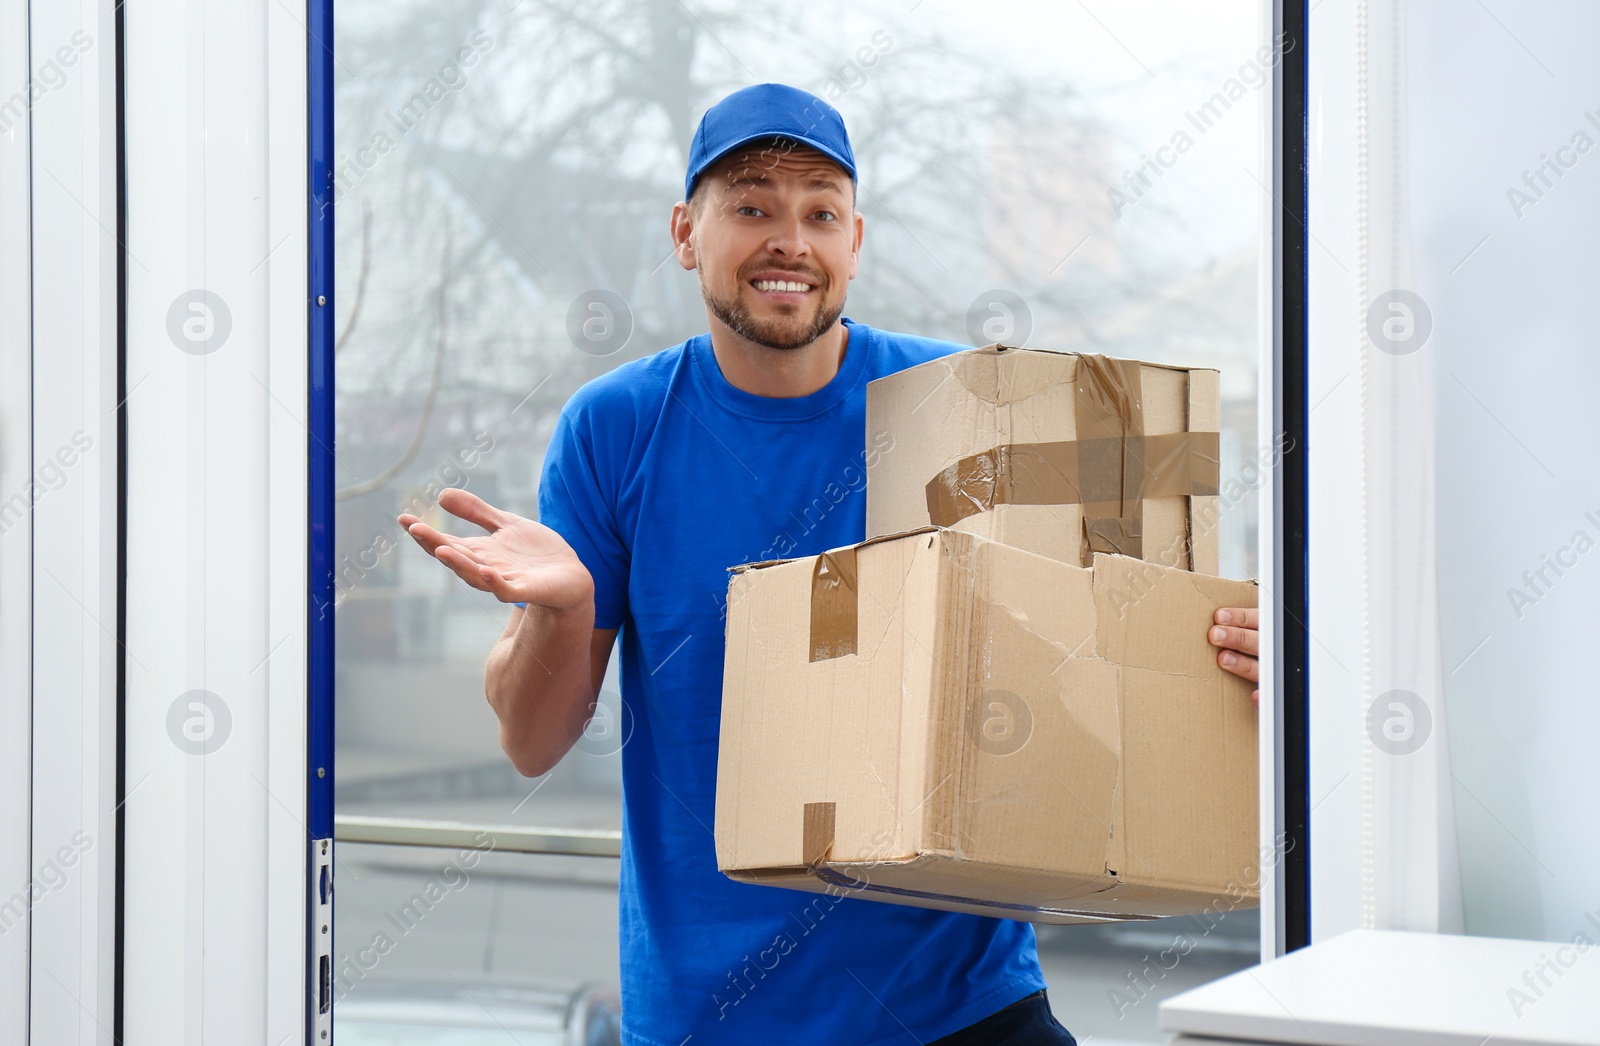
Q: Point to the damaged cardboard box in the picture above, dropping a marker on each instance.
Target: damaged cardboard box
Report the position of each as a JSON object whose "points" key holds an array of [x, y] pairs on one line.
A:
{"points": [[1064, 454], [937, 719]]}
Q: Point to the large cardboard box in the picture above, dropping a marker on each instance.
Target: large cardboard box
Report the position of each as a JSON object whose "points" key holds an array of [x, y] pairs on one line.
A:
{"points": [[941, 720], [1060, 453]]}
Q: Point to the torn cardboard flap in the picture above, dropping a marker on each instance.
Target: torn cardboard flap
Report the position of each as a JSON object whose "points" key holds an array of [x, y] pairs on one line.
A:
{"points": [[740, 568], [1011, 735]]}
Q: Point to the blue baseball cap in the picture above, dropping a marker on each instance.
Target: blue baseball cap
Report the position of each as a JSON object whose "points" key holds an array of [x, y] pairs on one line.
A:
{"points": [[768, 111]]}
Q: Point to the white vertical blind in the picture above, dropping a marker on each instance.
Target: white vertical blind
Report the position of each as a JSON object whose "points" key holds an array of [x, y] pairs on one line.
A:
{"points": [[1507, 104], [1408, 856], [1451, 432]]}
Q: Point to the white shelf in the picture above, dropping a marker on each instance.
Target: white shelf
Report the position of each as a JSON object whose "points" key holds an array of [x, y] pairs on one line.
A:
{"points": [[1386, 988]]}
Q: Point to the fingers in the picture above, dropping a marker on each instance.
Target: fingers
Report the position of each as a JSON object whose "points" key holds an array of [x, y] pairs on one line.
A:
{"points": [[1240, 665], [1236, 633], [435, 542], [464, 505], [473, 509], [456, 553], [1244, 640], [459, 557], [1244, 616], [422, 534]]}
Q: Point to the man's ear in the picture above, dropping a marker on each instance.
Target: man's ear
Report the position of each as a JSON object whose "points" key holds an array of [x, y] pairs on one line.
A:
{"points": [[855, 252], [682, 235]]}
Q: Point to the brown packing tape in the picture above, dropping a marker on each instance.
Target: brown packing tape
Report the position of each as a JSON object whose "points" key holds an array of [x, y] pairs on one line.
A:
{"points": [[817, 833], [1109, 410], [1176, 464], [1009, 474], [833, 604], [1182, 464], [1109, 469]]}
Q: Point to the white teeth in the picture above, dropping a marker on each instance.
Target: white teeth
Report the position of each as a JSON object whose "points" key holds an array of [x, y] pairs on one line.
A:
{"points": [[781, 285]]}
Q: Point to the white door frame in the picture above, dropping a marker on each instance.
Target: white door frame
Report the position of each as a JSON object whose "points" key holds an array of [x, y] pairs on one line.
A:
{"points": [[72, 158], [16, 522], [136, 570]]}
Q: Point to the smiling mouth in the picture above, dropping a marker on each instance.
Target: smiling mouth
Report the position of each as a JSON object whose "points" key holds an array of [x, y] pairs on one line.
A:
{"points": [[783, 286]]}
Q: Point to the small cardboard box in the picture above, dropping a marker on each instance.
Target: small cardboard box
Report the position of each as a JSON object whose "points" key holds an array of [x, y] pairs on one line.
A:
{"points": [[1060, 453], [941, 720]]}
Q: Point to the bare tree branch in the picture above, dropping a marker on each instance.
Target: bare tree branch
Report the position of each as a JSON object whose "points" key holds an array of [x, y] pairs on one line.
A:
{"points": [[368, 486]]}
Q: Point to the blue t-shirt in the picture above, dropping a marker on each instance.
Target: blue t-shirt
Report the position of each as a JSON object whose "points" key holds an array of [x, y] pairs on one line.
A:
{"points": [[661, 475]]}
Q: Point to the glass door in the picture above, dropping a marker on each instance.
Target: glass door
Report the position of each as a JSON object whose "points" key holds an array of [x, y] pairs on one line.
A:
{"points": [[1083, 177]]}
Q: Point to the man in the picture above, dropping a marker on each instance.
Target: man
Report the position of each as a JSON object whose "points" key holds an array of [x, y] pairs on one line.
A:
{"points": [[659, 476]]}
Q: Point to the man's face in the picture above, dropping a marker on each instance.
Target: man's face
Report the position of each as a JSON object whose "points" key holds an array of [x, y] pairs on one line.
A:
{"points": [[774, 235]]}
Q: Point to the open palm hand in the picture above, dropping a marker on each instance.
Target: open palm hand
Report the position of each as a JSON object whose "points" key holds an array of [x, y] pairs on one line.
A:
{"points": [[518, 560]]}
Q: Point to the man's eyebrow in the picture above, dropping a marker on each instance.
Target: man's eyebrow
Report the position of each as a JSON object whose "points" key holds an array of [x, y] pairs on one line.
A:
{"points": [[822, 183]]}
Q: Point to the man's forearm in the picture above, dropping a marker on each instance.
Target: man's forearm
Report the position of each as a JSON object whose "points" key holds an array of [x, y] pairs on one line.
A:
{"points": [[539, 682]]}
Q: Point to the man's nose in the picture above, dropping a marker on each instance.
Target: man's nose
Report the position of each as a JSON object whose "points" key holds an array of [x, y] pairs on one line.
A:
{"points": [[788, 238]]}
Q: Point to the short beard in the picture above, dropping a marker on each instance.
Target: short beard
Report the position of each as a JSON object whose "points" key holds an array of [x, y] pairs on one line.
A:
{"points": [[733, 313]]}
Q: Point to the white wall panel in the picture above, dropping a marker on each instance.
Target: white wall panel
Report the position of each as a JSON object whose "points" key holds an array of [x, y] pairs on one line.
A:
{"points": [[75, 645], [18, 488], [216, 543]]}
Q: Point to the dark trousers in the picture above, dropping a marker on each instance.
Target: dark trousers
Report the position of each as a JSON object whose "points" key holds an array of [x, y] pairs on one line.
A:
{"points": [[1026, 1022]]}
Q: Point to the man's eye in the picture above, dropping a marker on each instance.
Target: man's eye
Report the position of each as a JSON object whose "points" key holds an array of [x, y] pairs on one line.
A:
{"points": [[826, 216], [748, 211]]}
